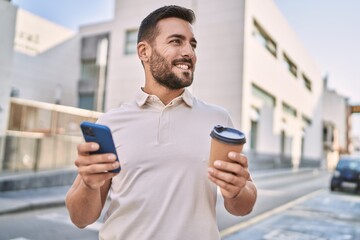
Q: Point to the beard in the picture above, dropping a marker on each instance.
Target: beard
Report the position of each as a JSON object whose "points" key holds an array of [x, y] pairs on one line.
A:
{"points": [[162, 73]]}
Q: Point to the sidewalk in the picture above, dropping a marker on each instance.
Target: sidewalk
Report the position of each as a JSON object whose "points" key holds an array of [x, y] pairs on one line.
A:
{"points": [[26, 191], [22, 200]]}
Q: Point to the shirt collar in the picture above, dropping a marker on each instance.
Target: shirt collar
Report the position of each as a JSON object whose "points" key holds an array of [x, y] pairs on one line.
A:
{"points": [[188, 97], [142, 97]]}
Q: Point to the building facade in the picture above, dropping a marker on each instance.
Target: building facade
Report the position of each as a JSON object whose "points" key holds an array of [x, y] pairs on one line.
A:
{"points": [[250, 61], [7, 32], [45, 61], [39, 60], [336, 126]]}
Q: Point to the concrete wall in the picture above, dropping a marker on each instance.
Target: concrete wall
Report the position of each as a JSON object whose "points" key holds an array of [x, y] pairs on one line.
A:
{"points": [[270, 74], [335, 112], [46, 60], [7, 33], [50, 75]]}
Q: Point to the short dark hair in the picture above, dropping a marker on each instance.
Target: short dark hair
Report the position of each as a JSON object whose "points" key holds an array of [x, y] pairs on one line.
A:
{"points": [[148, 29]]}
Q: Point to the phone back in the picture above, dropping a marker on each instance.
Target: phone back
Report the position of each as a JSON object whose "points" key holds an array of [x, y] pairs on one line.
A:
{"points": [[100, 134]]}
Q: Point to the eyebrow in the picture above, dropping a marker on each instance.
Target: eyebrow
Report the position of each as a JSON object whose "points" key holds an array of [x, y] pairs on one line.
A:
{"points": [[182, 37]]}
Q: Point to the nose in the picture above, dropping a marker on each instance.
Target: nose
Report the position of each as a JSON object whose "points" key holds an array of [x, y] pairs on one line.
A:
{"points": [[188, 51]]}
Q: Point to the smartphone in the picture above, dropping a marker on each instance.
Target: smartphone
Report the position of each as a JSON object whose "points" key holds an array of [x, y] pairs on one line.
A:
{"points": [[100, 134]]}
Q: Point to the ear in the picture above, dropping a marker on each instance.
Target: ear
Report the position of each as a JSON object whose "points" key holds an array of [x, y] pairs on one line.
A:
{"points": [[144, 51]]}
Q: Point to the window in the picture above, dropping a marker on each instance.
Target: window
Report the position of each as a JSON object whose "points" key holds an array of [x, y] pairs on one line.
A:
{"points": [[306, 121], [307, 82], [302, 146], [266, 97], [263, 37], [15, 92], [325, 133], [254, 118], [290, 65], [328, 133], [282, 142], [253, 135], [92, 82], [87, 101], [131, 41], [287, 109], [89, 70]]}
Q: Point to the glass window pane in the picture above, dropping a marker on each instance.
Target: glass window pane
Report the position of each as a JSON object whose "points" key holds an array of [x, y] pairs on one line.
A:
{"points": [[131, 41], [264, 38], [307, 82], [290, 65], [89, 70], [289, 110], [87, 101], [267, 98]]}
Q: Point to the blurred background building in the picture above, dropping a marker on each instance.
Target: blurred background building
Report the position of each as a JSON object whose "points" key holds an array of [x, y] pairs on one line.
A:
{"points": [[336, 126], [250, 61]]}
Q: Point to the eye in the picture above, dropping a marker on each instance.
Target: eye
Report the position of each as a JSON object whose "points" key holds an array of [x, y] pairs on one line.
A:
{"points": [[176, 41]]}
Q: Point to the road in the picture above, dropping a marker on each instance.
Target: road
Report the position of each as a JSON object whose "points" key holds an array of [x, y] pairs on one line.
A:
{"points": [[276, 191], [46, 224], [54, 223]]}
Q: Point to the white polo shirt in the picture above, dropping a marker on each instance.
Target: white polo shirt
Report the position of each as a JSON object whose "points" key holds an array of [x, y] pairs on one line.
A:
{"points": [[162, 191]]}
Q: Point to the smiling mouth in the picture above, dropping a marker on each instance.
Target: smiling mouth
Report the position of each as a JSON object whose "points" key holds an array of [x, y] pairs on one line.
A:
{"points": [[183, 66]]}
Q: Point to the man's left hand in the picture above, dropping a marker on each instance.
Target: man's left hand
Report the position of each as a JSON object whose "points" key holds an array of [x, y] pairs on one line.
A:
{"points": [[232, 176]]}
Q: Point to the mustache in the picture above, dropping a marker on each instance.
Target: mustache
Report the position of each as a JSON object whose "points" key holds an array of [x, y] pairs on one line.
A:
{"points": [[181, 60]]}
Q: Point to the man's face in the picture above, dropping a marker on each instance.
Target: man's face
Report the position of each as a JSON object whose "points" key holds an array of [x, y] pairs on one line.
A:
{"points": [[172, 61]]}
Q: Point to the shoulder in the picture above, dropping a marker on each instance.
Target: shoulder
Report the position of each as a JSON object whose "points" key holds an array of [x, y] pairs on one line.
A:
{"points": [[208, 107], [212, 113], [116, 114]]}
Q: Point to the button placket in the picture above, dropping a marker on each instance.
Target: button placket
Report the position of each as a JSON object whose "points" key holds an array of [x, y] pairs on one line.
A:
{"points": [[164, 125]]}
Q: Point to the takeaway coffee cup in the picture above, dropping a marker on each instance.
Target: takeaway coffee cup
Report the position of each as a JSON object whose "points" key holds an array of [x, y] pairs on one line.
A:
{"points": [[225, 140]]}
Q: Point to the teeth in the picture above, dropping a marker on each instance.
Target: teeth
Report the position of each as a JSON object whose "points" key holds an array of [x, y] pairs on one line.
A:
{"points": [[182, 66]]}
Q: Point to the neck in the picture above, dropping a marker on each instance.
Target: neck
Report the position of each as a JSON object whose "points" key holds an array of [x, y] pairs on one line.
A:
{"points": [[165, 94]]}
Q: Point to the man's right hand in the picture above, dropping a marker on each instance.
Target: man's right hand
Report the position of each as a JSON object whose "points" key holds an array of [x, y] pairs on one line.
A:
{"points": [[94, 168]]}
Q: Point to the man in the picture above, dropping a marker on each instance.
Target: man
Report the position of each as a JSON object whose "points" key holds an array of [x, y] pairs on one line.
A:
{"points": [[165, 189]]}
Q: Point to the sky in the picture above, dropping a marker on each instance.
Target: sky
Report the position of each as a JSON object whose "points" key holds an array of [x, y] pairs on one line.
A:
{"points": [[329, 30], [70, 13]]}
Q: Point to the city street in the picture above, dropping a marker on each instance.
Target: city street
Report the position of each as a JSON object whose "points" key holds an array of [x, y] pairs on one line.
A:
{"points": [[165, 82], [45, 224], [274, 190], [325, 216], [278, 192]]}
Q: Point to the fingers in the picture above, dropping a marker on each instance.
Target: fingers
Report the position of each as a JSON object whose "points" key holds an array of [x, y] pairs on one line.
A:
{"points": [[85, 159], [87, 147], [229, 183], [97, 168], [229, 173], [94, 175], [228, 190], [230, 169], [239, 158], [94, 168], [231, 177]]}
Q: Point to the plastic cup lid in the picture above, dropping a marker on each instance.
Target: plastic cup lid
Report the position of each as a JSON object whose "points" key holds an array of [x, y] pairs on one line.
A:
{"points": [[228, 135]]}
